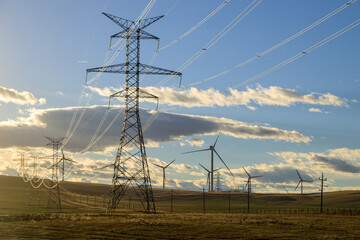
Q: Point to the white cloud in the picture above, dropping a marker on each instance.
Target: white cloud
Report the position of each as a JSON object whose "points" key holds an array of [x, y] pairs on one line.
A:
{"points": [[318, 110], [9, 95], [272, 96], [192, 142]]}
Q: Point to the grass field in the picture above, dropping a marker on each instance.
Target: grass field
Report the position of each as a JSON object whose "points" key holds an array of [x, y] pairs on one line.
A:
{"points": [[83, 215]]}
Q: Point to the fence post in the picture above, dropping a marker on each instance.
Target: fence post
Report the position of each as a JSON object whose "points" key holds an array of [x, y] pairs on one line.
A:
{"points": [[87, 199], [204, 200], [171, 198], [129, 202], [95, 201], [229, 203], [80, 197], [104, 201]]}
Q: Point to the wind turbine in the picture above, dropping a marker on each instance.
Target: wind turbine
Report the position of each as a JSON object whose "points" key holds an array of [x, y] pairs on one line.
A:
{"points": [[163, 168], [63, 159], [249, 186], [301, 182], [208, 175], [212, 149]]}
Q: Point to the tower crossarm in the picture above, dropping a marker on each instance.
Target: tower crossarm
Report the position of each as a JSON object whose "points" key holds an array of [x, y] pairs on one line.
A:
{"points": [[143, 69], [148, 21], [126, 24], [142, 94], [141, 34], [122, 22]]}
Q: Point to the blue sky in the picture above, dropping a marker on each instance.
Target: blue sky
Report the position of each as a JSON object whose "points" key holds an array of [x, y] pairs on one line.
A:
{"points": [[311, 104]]}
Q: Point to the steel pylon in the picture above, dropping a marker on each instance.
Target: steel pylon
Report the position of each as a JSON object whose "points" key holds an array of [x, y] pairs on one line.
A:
{"points": [[131, 166], [56, 144]]}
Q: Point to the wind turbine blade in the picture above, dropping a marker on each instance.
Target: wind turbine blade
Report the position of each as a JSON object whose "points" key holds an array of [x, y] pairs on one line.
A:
{"points": [[170, 163], [285, 189], [298, 174], [307, 181], [158, 165], [216, 139], [70, 160], [256, 176], [224, 163], [197, 151], [204, 168], [246, 172], [297, 185], [217, 169]]}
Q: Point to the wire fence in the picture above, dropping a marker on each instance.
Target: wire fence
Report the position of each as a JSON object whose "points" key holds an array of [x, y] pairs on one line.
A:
{"points": [[169, 201]]}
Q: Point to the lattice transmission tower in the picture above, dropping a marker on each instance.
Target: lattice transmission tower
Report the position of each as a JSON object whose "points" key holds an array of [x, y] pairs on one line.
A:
{"points": [[131, 166], [56, 144], [218, 182]]}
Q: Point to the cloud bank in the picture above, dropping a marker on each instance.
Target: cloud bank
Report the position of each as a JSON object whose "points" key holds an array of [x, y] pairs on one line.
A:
{"points": [[30, 131]]}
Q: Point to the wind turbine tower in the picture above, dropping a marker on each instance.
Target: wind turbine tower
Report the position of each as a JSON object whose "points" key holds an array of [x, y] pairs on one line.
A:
{"points": [[301, 182], [249, 186], [212, 149], [130, 165], [63, 159], [163, 168]]}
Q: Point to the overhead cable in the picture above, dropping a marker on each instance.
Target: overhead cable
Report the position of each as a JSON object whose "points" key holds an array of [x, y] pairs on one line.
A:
{"points": [[221, 34], [323, 19], [301, 54], [196, 26]]}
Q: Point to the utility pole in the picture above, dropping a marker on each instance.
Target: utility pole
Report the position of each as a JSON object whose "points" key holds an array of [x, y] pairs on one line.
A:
{"points": [[171, 198], [131, 151], [248, 197], [229, 203], [204, 200], [322, 179]]}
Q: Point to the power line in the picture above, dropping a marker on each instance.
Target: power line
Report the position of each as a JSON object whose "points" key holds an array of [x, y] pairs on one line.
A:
{"points": [[301, 54], [218, 8], [296, 35], [221, 34]]}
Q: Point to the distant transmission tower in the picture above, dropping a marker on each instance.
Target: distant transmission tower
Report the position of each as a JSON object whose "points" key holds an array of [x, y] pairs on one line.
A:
{"points": [[131, 166], [34, 192], [22, 164], [218, 182], [55, 143]]}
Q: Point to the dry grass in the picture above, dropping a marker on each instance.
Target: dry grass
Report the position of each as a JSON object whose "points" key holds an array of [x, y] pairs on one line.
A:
{"points": [[83, 220], [179, 226]]}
